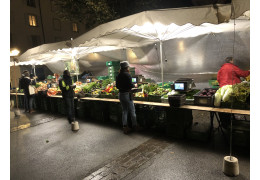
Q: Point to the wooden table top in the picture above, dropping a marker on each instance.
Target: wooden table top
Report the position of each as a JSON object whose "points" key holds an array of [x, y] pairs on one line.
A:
{"points": [[192, 107]]}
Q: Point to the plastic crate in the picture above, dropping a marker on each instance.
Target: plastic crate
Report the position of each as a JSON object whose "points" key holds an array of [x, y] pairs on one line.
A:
{"points": [[113, 63], [177, 100], [204, 100], [213, 83], [102, 77], [141, 98], [153, 98], [113, 69]]}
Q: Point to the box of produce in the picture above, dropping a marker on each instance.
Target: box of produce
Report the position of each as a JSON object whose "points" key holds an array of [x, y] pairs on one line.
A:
{"points": [[213, 83], [140, 96], [177, 100], [154, 98], [113, 63], [205, 97]]}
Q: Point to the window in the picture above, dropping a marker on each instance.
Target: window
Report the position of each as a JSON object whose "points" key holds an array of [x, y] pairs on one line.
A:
{"points": [[31, 3], [56, 24], [32, 20], [74, 27], [35, 40]]}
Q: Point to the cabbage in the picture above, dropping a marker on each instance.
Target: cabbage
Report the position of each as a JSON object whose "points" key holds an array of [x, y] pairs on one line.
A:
{"points": [[217, 99], [227, 94], [224, 88]]}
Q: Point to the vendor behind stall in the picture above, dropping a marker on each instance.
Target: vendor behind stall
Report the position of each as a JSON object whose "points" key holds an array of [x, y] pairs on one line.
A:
{"points": [[229, 73], [51, 80]]}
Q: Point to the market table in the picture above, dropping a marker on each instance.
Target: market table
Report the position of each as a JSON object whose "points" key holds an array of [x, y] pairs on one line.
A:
{"points": [[184, 109], [192, 107]]}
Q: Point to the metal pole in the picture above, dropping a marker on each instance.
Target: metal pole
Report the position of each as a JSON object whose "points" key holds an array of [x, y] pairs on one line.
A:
{"points": [[161, 61], [15, 87], [34, 72]]}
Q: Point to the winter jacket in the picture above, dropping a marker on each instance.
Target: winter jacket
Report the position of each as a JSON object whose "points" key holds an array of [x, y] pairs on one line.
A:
{"points": [[24, 83], [65, 87], [230, 74], [124, 82]]}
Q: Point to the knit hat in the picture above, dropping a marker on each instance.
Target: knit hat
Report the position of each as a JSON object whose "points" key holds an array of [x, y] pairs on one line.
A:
{"points": [[124, 64]]}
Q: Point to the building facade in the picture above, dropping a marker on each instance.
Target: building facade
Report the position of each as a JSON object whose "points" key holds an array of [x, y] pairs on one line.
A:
{"points": [[33, 22]]}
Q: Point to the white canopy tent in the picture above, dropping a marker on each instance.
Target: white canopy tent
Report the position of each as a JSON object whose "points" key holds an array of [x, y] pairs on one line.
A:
{"points": [[136, 35]]}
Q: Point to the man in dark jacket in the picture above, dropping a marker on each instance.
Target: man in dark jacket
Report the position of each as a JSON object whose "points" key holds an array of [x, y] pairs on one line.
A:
{"points": [[24, 83], [67, 90], [124, 84]]}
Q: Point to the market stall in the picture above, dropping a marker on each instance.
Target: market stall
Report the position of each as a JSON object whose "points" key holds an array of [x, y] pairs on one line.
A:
{"points": [[162, 46]]}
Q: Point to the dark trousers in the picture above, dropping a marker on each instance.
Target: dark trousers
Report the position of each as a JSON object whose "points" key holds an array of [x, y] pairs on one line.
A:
{"points": [[28, 102], [69, 105]]}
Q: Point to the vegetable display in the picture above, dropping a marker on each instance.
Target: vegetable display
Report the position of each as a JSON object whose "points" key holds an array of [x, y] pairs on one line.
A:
{"points": [[240, 92], [207, 92], [90, 87], [41, 86], [52, 91]]}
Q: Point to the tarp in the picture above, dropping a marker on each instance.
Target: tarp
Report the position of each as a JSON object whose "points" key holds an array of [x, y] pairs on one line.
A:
{"points": [[135, 36]]}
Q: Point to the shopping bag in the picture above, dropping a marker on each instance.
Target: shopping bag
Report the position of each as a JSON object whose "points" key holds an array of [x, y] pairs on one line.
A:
{"points": [[31, 90]]}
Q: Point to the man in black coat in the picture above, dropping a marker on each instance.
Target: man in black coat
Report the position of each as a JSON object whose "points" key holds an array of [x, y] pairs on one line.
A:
{"points": [[67, 90], [24, 83]]}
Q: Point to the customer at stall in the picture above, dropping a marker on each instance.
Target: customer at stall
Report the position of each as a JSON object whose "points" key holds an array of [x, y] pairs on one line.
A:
{"points": [[229, 73], [25, 81], [67, 89], [124, 84]]}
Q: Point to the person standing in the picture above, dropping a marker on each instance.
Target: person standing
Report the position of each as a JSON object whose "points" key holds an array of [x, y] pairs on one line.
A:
{"points": [[124, 84], [25, 81], [67, 90], [230, 74]]}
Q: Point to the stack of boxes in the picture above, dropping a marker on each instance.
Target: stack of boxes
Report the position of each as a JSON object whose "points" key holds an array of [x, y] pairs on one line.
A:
{"points": [[114, 67]]}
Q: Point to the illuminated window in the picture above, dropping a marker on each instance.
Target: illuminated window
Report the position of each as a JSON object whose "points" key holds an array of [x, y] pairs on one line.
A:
{"points": [[32, 20], [74, 27], [31, 3]]}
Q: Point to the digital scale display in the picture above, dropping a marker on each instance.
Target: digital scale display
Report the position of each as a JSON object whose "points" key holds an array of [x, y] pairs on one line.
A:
{"points": [[179, 86], [134, 80]]}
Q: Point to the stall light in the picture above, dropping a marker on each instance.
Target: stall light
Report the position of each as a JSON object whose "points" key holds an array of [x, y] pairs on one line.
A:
{"points": [[181, 46], [14, 52]]}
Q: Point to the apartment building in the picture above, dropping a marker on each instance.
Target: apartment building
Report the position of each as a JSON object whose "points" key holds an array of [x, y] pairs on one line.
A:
{"points": [[33, 22]]}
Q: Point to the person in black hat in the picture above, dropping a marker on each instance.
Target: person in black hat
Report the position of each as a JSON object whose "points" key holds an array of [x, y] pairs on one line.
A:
{"points": [[124, 84], [67, 90]]}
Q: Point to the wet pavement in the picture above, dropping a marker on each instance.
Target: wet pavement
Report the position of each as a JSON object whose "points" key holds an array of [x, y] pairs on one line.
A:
{"points": [[42, 146]]}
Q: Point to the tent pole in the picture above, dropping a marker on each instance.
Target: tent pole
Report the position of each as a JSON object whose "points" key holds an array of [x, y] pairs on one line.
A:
{"points": [[34, 71], [161, 61], [15, 87]]}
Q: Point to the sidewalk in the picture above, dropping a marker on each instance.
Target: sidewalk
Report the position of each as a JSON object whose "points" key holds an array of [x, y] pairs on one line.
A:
{"points": [[44, 147]]}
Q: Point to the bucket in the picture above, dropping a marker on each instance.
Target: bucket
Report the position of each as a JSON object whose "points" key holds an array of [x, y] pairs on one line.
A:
{"points": [[75, 126]]}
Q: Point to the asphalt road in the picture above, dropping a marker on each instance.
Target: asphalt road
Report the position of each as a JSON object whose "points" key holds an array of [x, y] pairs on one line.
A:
{"points": [[47, 149]]}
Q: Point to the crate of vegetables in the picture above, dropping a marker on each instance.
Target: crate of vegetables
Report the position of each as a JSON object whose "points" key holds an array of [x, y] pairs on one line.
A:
{"points": [[205, 97]]}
